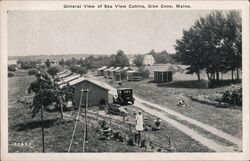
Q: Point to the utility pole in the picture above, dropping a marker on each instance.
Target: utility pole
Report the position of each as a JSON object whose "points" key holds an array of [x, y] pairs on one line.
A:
{"points": [[42, 128], [41, 101], [85, 137], [77, 119]]}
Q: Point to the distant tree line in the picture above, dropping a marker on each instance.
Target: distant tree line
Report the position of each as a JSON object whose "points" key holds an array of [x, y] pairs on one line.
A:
{"points": [[91, 62], [213, 44], [162, 57]]}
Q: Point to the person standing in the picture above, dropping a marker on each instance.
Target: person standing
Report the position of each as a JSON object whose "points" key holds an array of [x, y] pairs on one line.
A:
{"points": [[157, 124], [139, 126]]}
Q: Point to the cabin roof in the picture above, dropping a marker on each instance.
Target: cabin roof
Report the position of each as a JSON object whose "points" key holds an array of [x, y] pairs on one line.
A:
{"points": [[102, 68], [69, 78], [108, 69], [82, 79], [64, 71], [132, 71], [117, 68], [65, 74]]}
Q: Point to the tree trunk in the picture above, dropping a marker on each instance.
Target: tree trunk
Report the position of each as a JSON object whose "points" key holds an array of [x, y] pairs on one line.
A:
{"points": [[198, 75], [232, 74], [238, 77], [217, 75], [208, 77], [212, 76]]}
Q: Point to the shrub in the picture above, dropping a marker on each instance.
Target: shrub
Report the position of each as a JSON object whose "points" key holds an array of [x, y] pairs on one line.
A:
{"points": [[74, 68], [82, 70], [42, 66], [12, 68], [28, 64], [53, 70], [78, 69], [144, 72], [233, 96], [11, 74], [32, 72]]}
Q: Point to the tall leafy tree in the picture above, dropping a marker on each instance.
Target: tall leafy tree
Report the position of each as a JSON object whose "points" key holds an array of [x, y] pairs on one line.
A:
{"points": [[213, 43], [189, 52], [233, 42], [47, 62], [138, 60], [119, 60]]}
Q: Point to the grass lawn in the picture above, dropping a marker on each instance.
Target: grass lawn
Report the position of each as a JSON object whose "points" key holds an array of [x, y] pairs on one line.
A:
{"points": [[26, 130], [227, 120], [23, 129]]}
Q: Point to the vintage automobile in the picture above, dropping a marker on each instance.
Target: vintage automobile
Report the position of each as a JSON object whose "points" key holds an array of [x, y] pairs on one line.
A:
{"points": [[124, 96]]}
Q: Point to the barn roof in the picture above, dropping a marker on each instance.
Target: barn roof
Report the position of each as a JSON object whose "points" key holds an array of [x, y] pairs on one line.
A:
{"points": [[82, 79], [102, 68]]}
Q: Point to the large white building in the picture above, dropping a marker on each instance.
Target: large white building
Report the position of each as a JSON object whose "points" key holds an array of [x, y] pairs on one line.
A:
{"points": [[148, 60]]}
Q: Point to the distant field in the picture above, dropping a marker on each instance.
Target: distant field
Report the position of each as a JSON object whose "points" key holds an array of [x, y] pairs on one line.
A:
{"points": [[17, 87]]}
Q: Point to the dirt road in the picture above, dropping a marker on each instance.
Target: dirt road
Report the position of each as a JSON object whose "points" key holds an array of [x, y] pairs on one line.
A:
{"points": [[164, 112]]}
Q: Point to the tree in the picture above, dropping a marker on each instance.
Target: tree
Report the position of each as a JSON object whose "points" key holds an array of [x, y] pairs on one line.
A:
{"points": [[78, 69], [27, 64], [144, 72], [61, 62], [138, 60], [189, 53], [213, 43], [12, 68], [32, 72], [152, 52], [68, 62], [47, 62], [88, 62], [233, 42], [46, 94], [53, 70], [119, 60]]}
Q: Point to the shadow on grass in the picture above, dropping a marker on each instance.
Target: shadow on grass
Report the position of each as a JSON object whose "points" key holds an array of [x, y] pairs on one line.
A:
{"points": [[36, 124], [202, 84], [221, 83]]}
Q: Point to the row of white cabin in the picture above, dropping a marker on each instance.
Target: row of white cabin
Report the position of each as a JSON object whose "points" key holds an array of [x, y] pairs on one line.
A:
{"points": [[115, 73]]}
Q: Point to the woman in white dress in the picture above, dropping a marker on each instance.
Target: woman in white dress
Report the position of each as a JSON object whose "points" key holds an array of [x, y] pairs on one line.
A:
{"points": [[139, 125]]}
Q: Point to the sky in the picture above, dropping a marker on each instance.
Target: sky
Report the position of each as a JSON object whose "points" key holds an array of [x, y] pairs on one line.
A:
{"points": [[97, 32]]}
